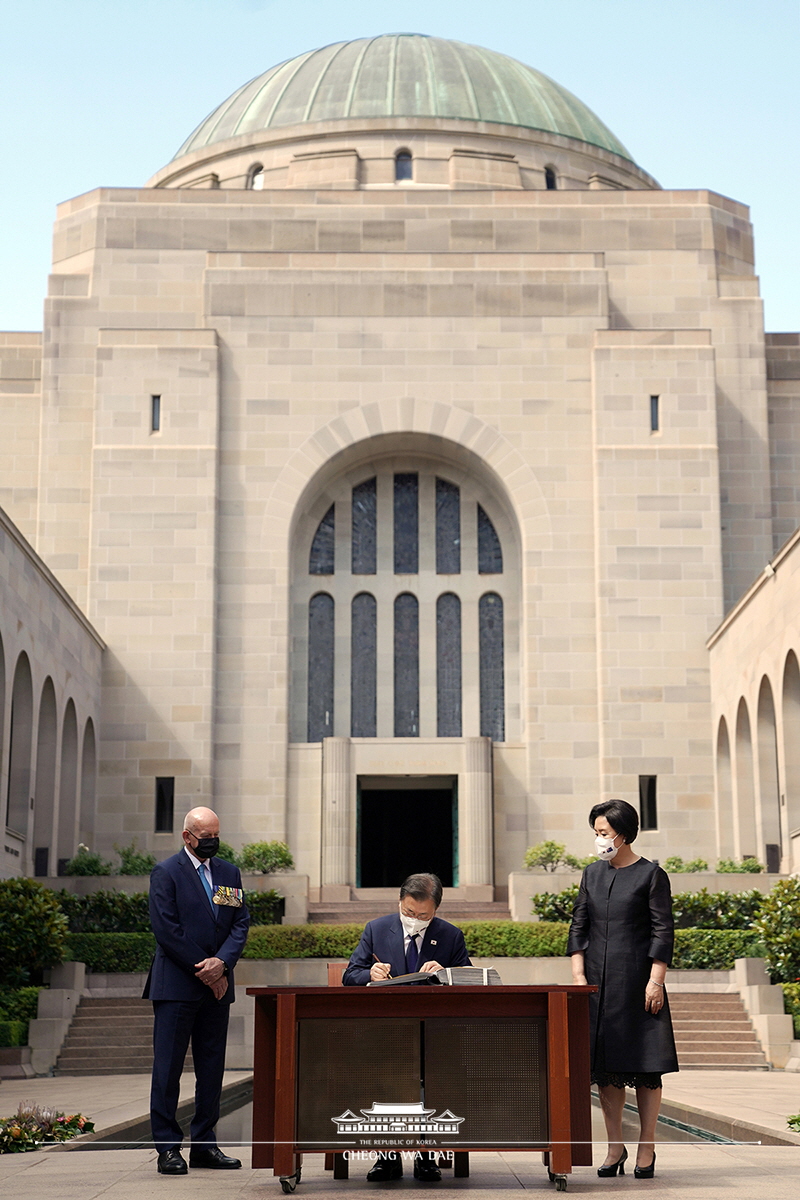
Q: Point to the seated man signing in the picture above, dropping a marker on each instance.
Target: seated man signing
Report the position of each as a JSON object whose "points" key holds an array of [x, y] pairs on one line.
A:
{"points": [[414, 939]]}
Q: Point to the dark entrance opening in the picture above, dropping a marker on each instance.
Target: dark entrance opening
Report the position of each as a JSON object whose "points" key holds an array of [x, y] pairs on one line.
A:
{"points": [[402, 831]]}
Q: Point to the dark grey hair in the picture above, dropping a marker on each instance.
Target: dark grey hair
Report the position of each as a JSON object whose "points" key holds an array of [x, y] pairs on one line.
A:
{"points": [[423, 887], [621, 816]]}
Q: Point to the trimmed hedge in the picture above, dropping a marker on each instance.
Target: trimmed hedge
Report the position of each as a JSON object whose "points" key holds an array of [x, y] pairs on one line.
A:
{"points": [[106, 912], [13, 1033], [112, 953], [515, 939], [714, 949], [716, 910], [302, 941], [791, 1004]]}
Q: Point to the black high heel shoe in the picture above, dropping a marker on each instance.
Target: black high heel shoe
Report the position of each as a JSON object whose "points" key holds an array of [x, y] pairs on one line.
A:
{"points": [[646, 1172], [610, 1171]]}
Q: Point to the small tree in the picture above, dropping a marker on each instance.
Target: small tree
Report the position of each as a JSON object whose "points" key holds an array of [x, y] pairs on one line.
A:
{"points": [[87, 862], [778, 924], [33, 930], [266, 857], [549, 856], [228, 854], [676, 865], [748, 866], [135, 862]]}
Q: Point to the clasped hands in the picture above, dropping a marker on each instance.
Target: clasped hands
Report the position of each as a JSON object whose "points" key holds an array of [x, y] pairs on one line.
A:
{"points": [[210, 971]]}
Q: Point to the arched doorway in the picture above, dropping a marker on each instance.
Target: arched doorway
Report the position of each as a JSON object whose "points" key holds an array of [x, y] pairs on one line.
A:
{"points": [[791, 754], [46, 760], [68, 782], [746, 839], [18, 799], [768, 785], [88, 779], [725, 823]]}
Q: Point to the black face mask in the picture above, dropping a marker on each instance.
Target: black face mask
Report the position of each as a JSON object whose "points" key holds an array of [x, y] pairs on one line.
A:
{"points": [[206, 847]]}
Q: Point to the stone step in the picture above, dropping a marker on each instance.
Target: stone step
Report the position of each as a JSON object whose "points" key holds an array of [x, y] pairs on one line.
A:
{"points": [[116, 1002], [714, 1058], [745, 1038], [116, 1069], [139, 1021], [357, 912]]}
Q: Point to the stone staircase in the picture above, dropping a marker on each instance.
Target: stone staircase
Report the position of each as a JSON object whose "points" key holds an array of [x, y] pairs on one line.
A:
{"points": [[367, 903], [109, 1037], [713, 1032]]}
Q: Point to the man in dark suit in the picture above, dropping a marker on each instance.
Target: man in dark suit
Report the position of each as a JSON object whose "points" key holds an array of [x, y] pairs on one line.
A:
{"points": [[413, 939], [200, 921]]}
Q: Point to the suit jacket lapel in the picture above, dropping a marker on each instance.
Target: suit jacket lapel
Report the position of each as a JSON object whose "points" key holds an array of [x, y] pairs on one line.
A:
{"points": [[427, 953], [397, 955]]}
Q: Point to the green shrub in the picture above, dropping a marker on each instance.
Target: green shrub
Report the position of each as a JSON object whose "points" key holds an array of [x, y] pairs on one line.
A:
{"points": [[265, 908], [515, 939], [266, 857], [551, 855], [791, 1003], [106, 912], [716, 910], [86, 862], [748, 866], [779, 926], [555, 906], [485, 939], [18, 1006], [676, 866], [714, 949], [13, 1033], [794, 1122], [133, 861], [33, 930], [302, 941], [112, 953], [228, 854]]}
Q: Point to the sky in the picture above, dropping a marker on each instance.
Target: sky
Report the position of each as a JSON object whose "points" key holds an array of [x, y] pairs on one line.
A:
{"points": [[704, 94]]}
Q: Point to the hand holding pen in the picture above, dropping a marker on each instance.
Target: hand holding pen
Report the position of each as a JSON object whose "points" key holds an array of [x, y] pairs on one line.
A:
{"points": [[380, 970]]}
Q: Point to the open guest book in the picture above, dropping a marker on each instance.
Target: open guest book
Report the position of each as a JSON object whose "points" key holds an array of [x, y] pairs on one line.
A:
{"points": [[473, 976]]}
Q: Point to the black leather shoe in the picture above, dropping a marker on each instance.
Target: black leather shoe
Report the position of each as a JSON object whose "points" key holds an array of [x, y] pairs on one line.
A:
{"points": [[384, 1170], [426, 1171], [646, 1172], [213, 1158], [610, 1171], [172, 1162]]}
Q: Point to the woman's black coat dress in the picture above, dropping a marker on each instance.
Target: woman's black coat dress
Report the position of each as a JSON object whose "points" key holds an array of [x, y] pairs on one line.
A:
{"points": [[623, 920]]}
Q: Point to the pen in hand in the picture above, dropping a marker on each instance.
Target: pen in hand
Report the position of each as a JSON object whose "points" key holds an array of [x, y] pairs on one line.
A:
{"points": [[377, 960]]}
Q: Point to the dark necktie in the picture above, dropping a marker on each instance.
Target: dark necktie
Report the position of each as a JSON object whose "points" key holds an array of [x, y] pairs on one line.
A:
{"points": [[412, 954]]}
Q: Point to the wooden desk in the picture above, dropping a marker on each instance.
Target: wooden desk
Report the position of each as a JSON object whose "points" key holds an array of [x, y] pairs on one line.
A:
{"points": [[487, 1068]]}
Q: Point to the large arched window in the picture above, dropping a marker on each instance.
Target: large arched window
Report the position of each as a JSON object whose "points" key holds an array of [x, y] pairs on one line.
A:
{"points": [[745, 795], [425, 647], [67, 789], [791, 745], [724, 793], [46, 762], [20, 746]]}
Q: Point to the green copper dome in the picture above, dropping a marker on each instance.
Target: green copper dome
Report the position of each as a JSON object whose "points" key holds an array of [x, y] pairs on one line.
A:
{"points": [[402, 75]]}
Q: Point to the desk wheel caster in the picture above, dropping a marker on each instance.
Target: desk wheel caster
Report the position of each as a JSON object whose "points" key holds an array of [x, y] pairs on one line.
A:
{"points": [[290, 1182], [560, 1181]]}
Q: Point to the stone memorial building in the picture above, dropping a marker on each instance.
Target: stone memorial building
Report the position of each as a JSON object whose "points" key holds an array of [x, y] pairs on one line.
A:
{"points": [[400, 446]]}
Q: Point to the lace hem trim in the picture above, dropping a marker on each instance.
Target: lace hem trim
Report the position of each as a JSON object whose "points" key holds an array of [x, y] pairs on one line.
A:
{"points": [[631, 1079]]}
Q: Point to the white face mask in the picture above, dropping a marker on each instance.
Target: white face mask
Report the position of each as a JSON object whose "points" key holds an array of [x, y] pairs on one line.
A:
{"points": [[412, 926], [605, 846]]}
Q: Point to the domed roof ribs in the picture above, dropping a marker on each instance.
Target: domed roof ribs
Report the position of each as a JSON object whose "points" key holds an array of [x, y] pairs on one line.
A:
{"points": [[297, 63], [351, 91], [315, 90], [220, 109], [392, 75], [240, 97], [465, 75], [489, 66], [540, 98]]}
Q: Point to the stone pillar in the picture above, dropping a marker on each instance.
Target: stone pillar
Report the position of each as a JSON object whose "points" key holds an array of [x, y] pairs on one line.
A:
{"points": [[336, 822], [475, 841]]}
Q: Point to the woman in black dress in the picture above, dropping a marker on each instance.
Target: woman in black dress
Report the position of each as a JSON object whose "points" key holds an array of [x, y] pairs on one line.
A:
{"points": [[621, 940]]}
